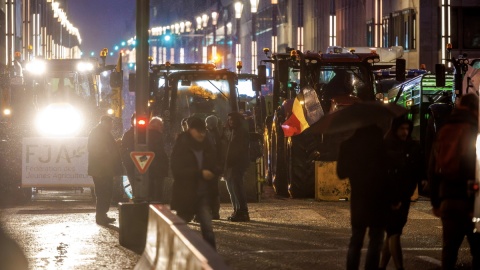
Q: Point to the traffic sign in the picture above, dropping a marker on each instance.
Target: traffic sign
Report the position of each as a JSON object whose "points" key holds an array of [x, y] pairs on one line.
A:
{"points": [[142, 160]]}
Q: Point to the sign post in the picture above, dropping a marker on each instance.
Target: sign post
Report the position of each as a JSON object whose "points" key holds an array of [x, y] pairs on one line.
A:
{"points": [[141, 96], [133, 218]]}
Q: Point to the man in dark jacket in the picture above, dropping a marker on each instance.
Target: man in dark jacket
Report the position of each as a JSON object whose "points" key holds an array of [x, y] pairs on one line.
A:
{"points": [[194, 170], [405, 170], [103, 164], [236, 165], [362, 159], [452, 166], [159, 168]]}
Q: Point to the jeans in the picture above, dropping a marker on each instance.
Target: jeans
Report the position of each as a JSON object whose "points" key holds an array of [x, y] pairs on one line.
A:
{"points": [[375, 244], [103, 194], [236, 189], [203, 214]]}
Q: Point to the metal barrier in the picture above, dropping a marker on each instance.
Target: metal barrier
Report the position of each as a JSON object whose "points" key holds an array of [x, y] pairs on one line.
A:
{"points": [[171, 244]]}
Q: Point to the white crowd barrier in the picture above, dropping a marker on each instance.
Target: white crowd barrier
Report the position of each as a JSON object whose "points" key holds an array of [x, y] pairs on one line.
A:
{"points": [[171, 244]]}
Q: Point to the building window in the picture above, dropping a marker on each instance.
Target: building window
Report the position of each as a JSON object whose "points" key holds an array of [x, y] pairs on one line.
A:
{"points": [[386, 31], [370, 34], [403, 29], [465, 28]]}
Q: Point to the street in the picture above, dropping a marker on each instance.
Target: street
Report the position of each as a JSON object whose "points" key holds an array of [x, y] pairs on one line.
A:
{"points": [[57, 231]]}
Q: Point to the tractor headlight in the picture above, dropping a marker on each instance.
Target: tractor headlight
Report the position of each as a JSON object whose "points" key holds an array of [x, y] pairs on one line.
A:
{"points": [[7, 112], [60, 119], [36, 67], [84, 67]]}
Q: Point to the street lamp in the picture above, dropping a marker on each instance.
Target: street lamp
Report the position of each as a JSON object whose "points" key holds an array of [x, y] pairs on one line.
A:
{"points": [[274, 25], [238, 47], [199, 27], [204, 48], [253, 9], [214, 26]]}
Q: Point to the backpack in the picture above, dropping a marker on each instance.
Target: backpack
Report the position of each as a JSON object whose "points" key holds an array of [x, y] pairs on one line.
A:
{"points": [[454, 150]]}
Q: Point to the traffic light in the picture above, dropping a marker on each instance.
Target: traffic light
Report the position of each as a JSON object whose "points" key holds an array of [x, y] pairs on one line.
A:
{"points": [[141, 125]]}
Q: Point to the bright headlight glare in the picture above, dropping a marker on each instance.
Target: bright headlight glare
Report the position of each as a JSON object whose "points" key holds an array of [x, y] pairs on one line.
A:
{"points": [[7, 112], [84, 66], [36, 67], [60, 119]]}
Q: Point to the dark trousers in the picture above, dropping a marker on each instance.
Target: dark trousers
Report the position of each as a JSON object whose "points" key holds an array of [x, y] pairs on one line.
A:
{"points": [[375, 244], [103, 194], [203, 214], [236, 189], [457, 224]]}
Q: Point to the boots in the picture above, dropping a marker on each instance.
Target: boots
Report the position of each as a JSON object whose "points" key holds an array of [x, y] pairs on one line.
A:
{"points": [[240, 216]]}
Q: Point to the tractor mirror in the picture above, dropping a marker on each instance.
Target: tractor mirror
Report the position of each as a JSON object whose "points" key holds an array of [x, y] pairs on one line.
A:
{"points": [[262, 74]]}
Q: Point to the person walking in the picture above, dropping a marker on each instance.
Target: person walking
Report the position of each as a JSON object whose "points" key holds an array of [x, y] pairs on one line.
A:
{"points": [[405, 171], [214, 136], [362, 160], [194, 172], [104, 163], [237, 161], [452, 166], [159, 168]]}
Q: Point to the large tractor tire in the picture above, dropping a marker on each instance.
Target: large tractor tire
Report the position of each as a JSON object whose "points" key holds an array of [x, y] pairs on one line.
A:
{"points": [[302, 152], [278, 164]]}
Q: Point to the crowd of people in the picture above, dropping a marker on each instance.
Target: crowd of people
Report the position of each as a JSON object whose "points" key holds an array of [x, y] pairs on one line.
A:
{"points": [[384, 172], [383, 169], [202, 153]]}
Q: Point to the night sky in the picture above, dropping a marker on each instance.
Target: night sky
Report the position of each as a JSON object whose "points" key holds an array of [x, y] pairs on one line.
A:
{"points": [[102, 23]]}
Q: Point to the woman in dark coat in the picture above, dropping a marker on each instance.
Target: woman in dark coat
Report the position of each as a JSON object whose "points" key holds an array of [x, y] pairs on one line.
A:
{"points": [[362, 160], [194, 172], [404, 163]]}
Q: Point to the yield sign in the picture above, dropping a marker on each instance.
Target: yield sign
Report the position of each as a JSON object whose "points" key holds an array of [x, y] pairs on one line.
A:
{"points": [[142, 160]]}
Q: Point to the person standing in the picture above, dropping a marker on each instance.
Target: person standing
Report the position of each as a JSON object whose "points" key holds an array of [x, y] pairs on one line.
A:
{"points": [[451, 167], [128, 146], [214, 136], [237, 162], [362, 159], [159, 168], [194, 172], [104, 163], [405, 170]]}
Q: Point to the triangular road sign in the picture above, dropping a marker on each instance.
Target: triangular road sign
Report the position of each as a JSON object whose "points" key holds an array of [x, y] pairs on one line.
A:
{"points": [[142, 160]]}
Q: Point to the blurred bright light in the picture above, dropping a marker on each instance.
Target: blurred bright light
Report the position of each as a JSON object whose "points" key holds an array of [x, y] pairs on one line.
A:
{"points": [[7, 112], [36, 67], [59, 119], [84, 66], [110, 111], [92, 53]]}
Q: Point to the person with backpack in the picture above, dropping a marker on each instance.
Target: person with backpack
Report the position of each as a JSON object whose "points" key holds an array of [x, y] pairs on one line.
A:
{"points": [[404, 171], [452, 166]]}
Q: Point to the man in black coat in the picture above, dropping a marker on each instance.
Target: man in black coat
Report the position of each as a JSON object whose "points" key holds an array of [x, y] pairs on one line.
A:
{"points": [[236, 165], [103, 164], [194, 173], [159, 168], [362, 159]]}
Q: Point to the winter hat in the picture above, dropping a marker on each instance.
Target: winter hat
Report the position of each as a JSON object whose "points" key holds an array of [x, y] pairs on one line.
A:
{"points": [[196, 123]]}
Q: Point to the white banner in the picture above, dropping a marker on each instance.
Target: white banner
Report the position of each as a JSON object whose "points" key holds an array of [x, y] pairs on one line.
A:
{"points": [[55, 162]]}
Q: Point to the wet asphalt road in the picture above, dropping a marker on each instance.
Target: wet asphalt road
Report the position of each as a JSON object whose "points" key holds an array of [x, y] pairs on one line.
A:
{"points": [[57, 231]]}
